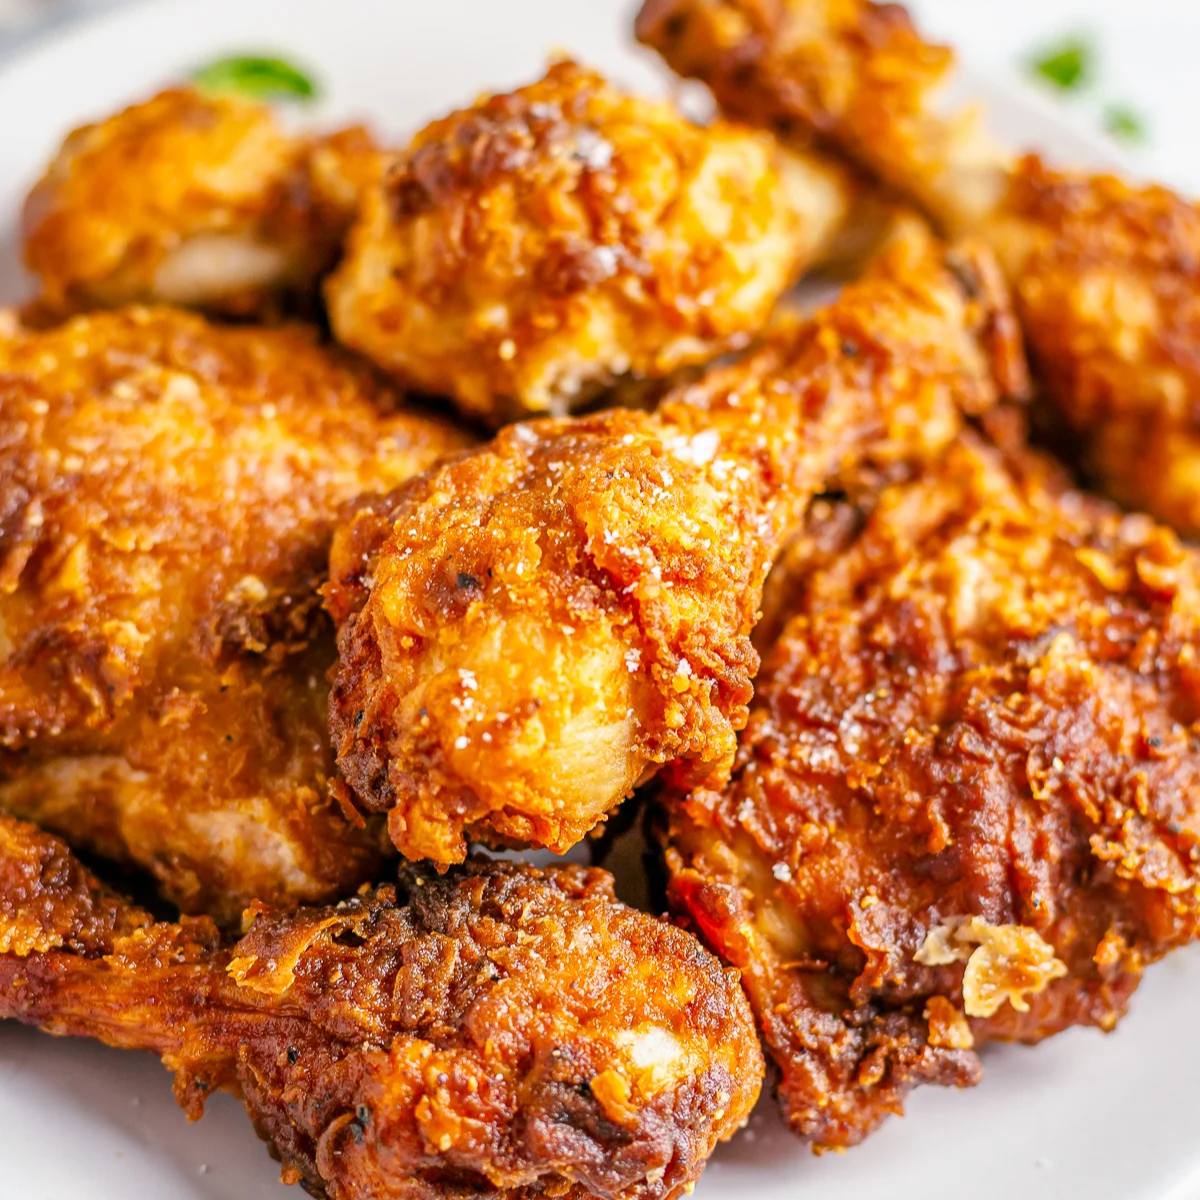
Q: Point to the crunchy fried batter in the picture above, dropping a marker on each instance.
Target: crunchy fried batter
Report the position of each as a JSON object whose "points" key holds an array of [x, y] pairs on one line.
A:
{"points": [[1104, 274], [848, 74], [168, 494], [533, 249], [219, 788], [528, 632], [192, 199], [1107, 279], [964, 808], [497, 1032]]}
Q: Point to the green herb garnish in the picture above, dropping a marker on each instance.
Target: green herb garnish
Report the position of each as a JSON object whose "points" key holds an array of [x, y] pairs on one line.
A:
{"points": [[1067, 64], [1125, 123], [261, 77]]}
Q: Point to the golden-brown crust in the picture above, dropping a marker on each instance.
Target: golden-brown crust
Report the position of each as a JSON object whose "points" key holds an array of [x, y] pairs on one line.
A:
{"points": [[529, 631], [964, 806], [171, 486], [50, 901], [1107, 280], [524, 630], [852, 75], [497, 1032], [220, 791], [191, 198], [169, 489], [534, 248]]}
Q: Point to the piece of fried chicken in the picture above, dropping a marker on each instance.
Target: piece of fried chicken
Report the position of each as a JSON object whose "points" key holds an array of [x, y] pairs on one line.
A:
{"points": [[965, 808], [193, 199], [500, 1031], [168, 490], [1104, 273], [527, 252], [529, 632], [1107, 277], [848, 75]]}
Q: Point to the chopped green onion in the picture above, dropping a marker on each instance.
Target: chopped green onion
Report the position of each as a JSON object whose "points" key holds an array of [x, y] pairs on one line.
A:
{"points": [[1125, 123], [259, 76], [1067, 64]]}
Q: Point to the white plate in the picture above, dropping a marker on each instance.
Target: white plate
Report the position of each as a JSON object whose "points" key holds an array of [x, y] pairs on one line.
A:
{"points": [[1106, 1116]]}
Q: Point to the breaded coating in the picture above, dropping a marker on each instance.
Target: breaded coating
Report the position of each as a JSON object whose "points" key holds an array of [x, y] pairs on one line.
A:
{"points": [[965, 808], [218, 789], [193, 199], [500, 1031], [1104, 273], [849, 75], [1107, 280], [168, 493], [531, 250], [527, 633]]}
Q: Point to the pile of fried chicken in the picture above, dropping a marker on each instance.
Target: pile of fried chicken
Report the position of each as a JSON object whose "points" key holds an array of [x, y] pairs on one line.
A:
{"points": [[282, 643]]}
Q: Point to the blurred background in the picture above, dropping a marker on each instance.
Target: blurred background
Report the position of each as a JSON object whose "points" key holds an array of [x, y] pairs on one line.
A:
{"points": [[1123, 66]]}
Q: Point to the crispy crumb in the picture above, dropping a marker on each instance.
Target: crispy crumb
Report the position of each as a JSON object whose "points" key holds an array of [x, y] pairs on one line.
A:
{"points": [[948, 1027], [1004, 962]]}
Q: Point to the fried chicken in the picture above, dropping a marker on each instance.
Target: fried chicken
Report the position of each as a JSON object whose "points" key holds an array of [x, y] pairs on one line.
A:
{"points": [[853, 77], [500, 1031], [194, 199], [849, 75], [527, 633], [169, 490], [531, 250], [218, 789], [1107, 277], [1104, 274], [965, 806]]}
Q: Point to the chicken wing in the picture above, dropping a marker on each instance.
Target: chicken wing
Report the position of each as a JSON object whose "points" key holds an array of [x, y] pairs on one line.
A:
{"points": [[168, 493], [529, 632], [537, 247], [497, 1032], [193, 199], [1104, 274], [965, 806]]}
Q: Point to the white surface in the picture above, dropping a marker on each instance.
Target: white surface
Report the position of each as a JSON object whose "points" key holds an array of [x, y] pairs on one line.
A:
{"points": [[1146, 58], [14, 13], [1147, 52], [1109, 1117]]}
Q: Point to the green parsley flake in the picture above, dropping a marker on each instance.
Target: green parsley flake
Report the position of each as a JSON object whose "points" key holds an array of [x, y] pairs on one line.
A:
{"points": [[1067, 65], [1125, 123], [261, 77]]}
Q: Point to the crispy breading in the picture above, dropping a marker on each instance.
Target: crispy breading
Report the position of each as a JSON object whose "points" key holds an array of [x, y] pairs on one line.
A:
{"points": [[850, 75], [1107, 280], [189, 198], [168, 492], [500, 1031], [1104, 273], [965, 806], [528, 632], [219, 789], [531, 250]]}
